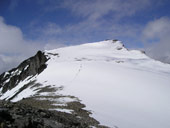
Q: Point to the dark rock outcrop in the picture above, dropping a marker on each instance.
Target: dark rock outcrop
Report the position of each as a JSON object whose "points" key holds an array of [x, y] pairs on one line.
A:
{"points": [[16, 115], [30, 67]]}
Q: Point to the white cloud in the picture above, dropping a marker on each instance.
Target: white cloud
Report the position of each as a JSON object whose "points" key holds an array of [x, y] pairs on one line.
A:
{"points": [[8, 62], [157, 32], [94, 9], [99, 19], [157, 28], [14, 48], [12, 41], [94, 20], [85, 31], [10, 37]]}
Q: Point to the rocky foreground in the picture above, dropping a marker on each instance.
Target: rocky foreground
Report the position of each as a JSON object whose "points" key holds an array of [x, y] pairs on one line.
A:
{"points": [[18, 115]]}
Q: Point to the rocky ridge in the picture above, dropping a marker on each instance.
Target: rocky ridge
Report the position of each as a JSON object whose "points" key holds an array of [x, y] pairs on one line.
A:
{"points": [[30, 67]]}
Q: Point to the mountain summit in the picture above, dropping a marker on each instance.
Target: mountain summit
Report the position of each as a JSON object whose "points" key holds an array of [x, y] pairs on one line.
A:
{"points": [[102, 83]]}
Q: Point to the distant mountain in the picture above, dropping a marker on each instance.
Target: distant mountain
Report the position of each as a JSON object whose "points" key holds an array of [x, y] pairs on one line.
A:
{"points": [[101, 83]]}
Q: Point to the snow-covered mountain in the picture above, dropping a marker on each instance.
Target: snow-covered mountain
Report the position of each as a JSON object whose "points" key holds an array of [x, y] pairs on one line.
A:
{"points": [[118, 87]]}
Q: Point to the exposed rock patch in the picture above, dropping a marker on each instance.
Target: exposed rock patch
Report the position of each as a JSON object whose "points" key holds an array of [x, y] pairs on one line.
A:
{"points": [[30, 67], [17, 115]]}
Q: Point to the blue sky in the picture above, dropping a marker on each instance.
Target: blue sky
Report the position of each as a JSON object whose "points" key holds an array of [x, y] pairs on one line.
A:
{"points": [[29, 25]]}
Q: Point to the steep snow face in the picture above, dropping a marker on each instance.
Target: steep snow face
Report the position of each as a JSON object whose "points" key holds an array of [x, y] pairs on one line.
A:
{"points": [[122, 88]]}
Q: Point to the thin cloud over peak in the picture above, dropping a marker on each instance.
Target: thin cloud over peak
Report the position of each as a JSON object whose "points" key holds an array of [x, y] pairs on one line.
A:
{"points": [[156, 34]]}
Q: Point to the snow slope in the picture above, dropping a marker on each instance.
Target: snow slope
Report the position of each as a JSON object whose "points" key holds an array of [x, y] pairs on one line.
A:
{"points": [[122, 88]]}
